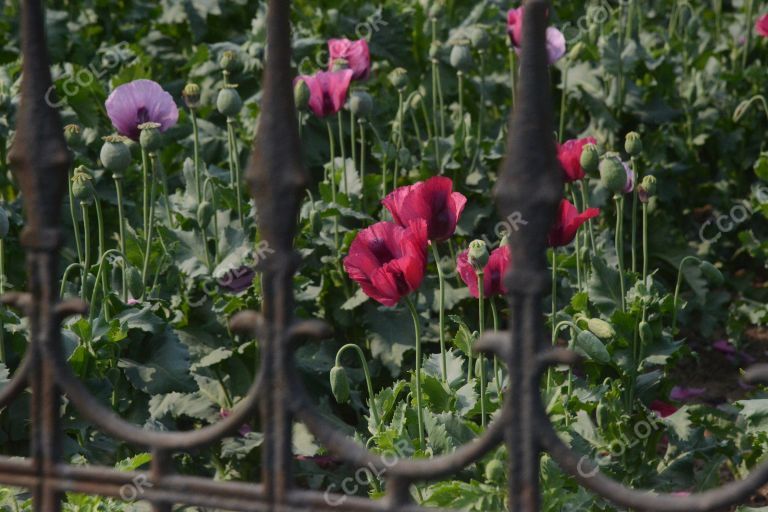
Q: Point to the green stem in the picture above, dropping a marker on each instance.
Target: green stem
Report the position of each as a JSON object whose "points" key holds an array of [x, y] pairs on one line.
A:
{"points": [[145, 190], [749, 29], [645, 242], [210, 184], [480, 114], [513, 74], [563, 101], [367, 373], [585, 201], [461, 137], [99, 274], [619, 242], [385, 159], [2, 291], [496, 369], [352, 136], [333, 185], [361, 122], [554, 312], [102, 244], [87, 249], [121, 220], [196, 155], [417, 333], [441, 281], [399, 143], [441, 104], [578, 245], [678, 286], [75, 223], [65, 277], [236, 166], [481, 357], [150, 228], [343, 154], [635, 169]]}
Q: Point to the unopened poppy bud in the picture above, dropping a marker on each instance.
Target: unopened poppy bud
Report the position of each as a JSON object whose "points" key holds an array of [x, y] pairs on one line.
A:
{"points": [[478, 255], [72, 135], [479, 37], [191, 94], [81, 184], [228, 60], [229, 102], [340, 64], [461, 57], [115, 155], [494, 471], [613, 175], [633, 145], [398, 77], [647, 188], [590, 158], [150, 138], [301, 94], [204, 213], [340, 384], [712, 273], [646, 332], [5, 224], [601, 328], [361, 104], [135, 283]]}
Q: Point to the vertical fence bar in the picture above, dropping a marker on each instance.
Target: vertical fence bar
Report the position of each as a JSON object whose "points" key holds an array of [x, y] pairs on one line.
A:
{"points": [[39, 160], [530, 185]]}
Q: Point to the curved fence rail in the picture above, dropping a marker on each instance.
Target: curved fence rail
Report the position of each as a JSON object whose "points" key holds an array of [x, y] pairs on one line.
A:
{"points": [[529, 184]]}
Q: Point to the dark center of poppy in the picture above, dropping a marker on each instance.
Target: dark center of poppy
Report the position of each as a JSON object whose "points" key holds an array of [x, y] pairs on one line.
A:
{"points": [[142, 116], [381, 251]]}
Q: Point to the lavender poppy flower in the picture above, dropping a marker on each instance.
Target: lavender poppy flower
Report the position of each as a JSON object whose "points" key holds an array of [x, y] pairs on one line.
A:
{"points": [[139, 102], [681, 394], [630, 179], [237, 280]]}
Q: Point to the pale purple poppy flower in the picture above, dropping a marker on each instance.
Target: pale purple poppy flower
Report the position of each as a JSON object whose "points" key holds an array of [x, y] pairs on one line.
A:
{"points": [[681, 394], [556, 46], [237, 280], [630, 179], [139, 102], [725, 347]]}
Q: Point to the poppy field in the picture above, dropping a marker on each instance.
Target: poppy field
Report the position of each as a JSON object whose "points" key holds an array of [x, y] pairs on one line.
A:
{"points": [[657, 255]]}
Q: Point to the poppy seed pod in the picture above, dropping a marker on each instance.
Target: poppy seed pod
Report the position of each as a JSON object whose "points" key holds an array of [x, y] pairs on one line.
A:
{"points": [[228, 60], [398, 77], [301, 94], [115, 155], [648, 185], [461, 57], [340, 384], [81, 185], [361, 104], [633, 145], [712, 273], [191, 95], [613, 175], [601, 328], [150, 138], [478, 255], [494, 471], [229, 102], [590, 158], [72, 135], [5, 225]]}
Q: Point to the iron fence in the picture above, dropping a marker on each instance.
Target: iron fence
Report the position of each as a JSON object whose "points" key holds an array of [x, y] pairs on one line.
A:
{"points": [[529, 183]]}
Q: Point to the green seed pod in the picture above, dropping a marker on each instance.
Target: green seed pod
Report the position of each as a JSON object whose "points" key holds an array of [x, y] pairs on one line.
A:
{"points": [[340, 384], [150, 137], [712, 273], [461, 57], [191, 94], [229, 102], [601, 328], [72, 135], [361, 104], [398, 77], [646, 332], [494, 471], [135, 283], [228, 60], [204, 213], [5, 225], [590, 158], [613, 175], [301, 94], [115, 155], [81, 185], [602, 416], [478, 255], [647, 188], [633, 145]]}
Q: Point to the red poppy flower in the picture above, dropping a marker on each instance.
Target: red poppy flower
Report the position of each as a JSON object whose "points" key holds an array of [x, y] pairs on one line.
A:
{"points": [[567, 224], [569, 155], [388, 261], [356, 54], [493, 273], [432, 200], [762, 25], [327, 90], [663, 409]]}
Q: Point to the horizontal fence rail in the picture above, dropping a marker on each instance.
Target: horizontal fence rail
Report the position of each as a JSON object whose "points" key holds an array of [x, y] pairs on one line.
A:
{"points": [[529, 183]]}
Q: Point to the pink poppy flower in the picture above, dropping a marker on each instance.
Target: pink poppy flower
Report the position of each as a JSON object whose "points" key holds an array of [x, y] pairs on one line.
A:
{"points": [[569, 154], [568, 222], [356, 54], [762, 25], [139, 102], [327, 90], [493, 273], [388, 261], [555, 39], [432, 200]]}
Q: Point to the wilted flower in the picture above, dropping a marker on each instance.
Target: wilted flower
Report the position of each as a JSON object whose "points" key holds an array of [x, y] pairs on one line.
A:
{"points": [[493, 273], [388, 261], [139, 102], [356, 54], [328, 90], [568, 222], [629, 186], [569, 154], [432, 200], [555, 38]]}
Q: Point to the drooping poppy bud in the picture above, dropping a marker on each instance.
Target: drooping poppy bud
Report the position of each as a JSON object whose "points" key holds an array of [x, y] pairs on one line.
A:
{"points": [[115, 155], [191, 95], [633, 144], [135, 283], [361, 104], [601, 328], [229, 102], [478, 255], [228, 60], [712, 273], [613, 174], [398, 77], [340, 384], [150, 138], [301, 94]]}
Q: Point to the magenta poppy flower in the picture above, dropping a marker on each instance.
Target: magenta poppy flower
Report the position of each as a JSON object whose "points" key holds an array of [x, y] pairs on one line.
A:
{"points": [[388, 261], [432, 200], [555, 39], [139, 102], [568, 222], [569, 154], [493, 273], [356, 54], [762, 25], [327, 90], [663, 409]]}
